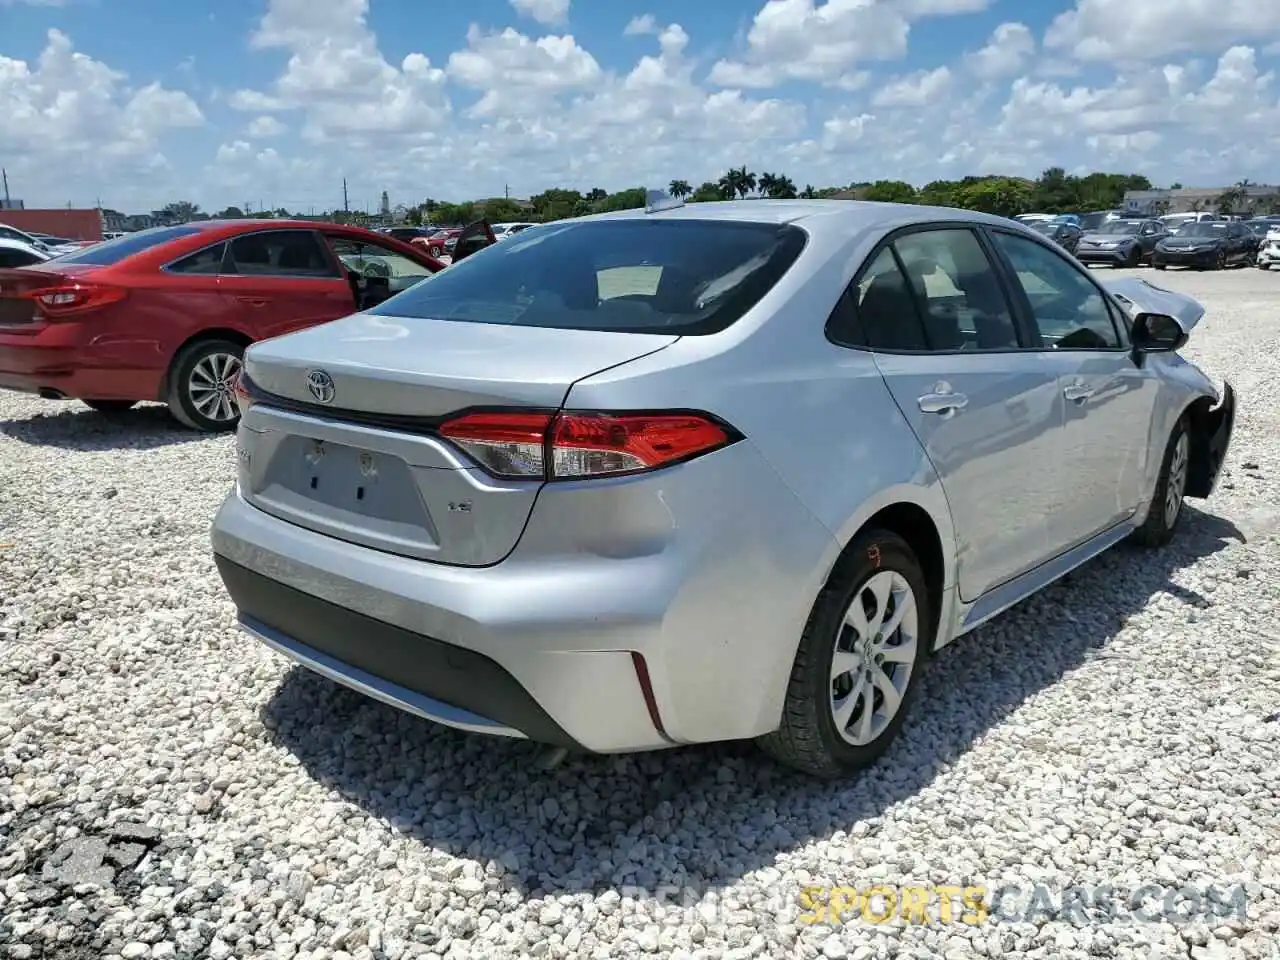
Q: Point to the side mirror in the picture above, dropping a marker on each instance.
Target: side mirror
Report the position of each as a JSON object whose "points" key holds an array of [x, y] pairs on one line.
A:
{"points": [[1158, 333]]}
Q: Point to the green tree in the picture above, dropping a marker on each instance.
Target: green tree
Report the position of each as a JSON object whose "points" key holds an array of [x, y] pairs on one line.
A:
{"points": [[181, 211], [939, 193], [707, 193], [809, 192], [230, 213], [1003, 196], [737, 182], [890, 191], [679, 189]]}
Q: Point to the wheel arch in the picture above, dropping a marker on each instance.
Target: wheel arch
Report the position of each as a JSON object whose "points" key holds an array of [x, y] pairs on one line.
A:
{"points": [[922, 518], [214, 333]]}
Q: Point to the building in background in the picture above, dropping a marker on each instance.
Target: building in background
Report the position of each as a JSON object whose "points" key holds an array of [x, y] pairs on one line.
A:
{"points": [[1252, 198], [69, 224]]}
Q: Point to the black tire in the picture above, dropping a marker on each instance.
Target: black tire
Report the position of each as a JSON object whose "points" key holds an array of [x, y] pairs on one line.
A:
{"points": [[1220, 261], [1264, 266], [808, 739], [1158, 529], [182, 404], [110, 408], [1135, 258], [1160, 266]]}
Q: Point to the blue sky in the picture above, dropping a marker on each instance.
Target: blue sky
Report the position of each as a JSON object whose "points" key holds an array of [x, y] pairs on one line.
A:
{"points": [[275, 101]]}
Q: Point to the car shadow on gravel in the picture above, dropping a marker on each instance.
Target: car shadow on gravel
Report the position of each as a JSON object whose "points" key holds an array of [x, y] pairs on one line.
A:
{"points": [[79, 428], [701, 817]]}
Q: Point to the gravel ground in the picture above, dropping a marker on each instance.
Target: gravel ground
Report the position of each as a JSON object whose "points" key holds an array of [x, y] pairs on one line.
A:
{"points": [[169, 788]]}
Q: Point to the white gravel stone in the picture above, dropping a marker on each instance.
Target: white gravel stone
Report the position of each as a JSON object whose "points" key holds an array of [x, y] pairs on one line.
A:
{"points": [[1121, 729]]}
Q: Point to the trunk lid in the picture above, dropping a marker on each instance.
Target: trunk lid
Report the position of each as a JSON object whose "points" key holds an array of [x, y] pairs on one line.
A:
{"points": [[343, 439]]}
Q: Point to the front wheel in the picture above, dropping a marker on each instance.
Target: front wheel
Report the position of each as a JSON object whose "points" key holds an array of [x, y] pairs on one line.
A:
{"points": [[1160, 266], [1135, 258], [1166, 501], [1220, 261], [859, 661], [202, 385]]}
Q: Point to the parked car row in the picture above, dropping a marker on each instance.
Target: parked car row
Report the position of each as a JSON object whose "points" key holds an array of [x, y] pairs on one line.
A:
{"points": [[1200, 241], [165, 314]]}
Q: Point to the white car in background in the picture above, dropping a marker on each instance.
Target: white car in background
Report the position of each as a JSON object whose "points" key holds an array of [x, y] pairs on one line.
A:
{"points": [[19, 253], [53, 250], [1269, 249], [502, 231]]}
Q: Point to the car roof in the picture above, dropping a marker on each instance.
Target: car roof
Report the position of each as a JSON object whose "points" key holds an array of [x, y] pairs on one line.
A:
{"points": [[850, 215], [16, 244]]}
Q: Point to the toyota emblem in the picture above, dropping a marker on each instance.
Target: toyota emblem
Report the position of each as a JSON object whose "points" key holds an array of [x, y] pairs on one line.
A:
{"points": [[321, 385]]}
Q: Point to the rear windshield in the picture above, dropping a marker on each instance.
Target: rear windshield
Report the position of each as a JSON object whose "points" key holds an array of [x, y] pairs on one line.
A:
{"points": [[113, 251], [688, 277]]}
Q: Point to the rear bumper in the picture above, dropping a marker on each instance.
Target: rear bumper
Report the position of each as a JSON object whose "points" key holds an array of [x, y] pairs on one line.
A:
{"points": [[435, 680], [674, 581], [49, 359]]}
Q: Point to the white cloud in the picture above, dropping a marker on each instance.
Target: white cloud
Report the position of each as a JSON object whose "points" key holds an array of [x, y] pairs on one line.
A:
{"points": [[640, 25], [914, 90], [546, 12], [265, 126], [337, 77], [819, 42], [70, 122], [1104, 30], [1010, 47], [825, 92]]}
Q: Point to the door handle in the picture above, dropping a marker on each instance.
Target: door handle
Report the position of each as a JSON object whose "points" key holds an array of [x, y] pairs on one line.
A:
{"points": [[1078, 392], [253, 301], [943, 403]]}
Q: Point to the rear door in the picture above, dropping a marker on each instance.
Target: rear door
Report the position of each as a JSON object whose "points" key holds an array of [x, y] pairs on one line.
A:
{"points": [[283, 280], [1108, 398], [987, 411], [378, 271]]}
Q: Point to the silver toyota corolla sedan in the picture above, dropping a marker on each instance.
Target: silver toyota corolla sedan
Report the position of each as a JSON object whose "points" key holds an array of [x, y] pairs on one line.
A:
{"points": [[705, 472]]}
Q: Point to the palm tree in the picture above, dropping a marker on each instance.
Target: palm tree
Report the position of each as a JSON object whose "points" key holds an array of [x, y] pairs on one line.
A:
{"points": [[679, 189], [809, 193], [767, 183], [737, 182], [783, 188]]}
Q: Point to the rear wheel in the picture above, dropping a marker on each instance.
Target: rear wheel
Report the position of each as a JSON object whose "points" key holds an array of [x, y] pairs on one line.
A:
{"points": [[1135, 257], [110, 407], [201, 385], [1166, 501], [859, 661], [1220, 261], [1160, 266]]}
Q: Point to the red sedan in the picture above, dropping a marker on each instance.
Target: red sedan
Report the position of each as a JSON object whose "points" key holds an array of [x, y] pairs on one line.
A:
{"points": [[166, 314]]}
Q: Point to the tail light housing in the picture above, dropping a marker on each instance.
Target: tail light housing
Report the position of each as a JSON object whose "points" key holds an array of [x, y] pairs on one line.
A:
{"points": [[73, 297], [576, 445], [244, 396]]}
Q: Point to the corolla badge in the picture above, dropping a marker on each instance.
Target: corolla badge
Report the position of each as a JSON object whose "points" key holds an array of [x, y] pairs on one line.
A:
{"points": [[321, 386]]}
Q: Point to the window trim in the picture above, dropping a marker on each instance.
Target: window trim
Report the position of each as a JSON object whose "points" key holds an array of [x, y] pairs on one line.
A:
{"points": [[1021, 328], [1025, 301]]}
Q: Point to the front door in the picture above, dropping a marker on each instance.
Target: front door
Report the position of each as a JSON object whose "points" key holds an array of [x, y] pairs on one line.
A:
{"points": [[987, 411], [1108, 398], [283, 280]]}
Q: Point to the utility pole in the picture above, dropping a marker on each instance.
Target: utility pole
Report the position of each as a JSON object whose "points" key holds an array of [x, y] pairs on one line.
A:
{"points": [[5, 175], [507, 191], [346, 204]]}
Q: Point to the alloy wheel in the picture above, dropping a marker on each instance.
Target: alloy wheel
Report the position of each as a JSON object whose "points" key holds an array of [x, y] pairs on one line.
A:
{"points": [[1177, 482], [211, 386], [874, 655]]}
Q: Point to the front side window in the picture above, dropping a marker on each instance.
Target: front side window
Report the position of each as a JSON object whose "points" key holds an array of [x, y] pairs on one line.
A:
{"points": [[676, 276], [962, 303], [374, 261], [279, 253], [1070, 311]]}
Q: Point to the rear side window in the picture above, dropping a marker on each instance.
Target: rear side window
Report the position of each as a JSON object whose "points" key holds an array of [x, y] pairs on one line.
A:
{"points": [[880, 309], [17, 258], [206, 261], [279, 253], [686, 277], [113, 251]]}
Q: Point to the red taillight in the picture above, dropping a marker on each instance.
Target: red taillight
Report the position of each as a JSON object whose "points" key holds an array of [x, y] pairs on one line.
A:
{"points": [[576, 445], [73, 297], [511, 445], [244, 399]]}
